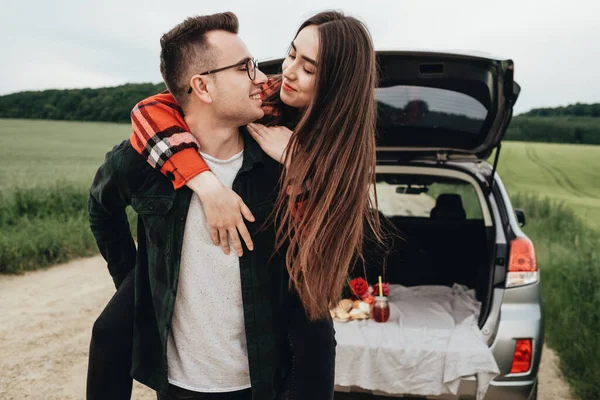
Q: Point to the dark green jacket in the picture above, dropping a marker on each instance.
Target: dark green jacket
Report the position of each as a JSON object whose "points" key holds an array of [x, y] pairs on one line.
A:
{"points": [[125, 178]]}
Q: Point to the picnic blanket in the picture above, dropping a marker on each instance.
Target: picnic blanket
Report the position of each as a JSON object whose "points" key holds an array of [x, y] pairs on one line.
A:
{"points": [[430, 342]]}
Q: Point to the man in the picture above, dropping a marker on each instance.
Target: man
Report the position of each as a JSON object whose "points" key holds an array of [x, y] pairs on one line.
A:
{"points": [[205, 324]]}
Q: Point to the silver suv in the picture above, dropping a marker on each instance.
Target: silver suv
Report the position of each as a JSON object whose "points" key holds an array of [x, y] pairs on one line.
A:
{"points": [[440, 117]]}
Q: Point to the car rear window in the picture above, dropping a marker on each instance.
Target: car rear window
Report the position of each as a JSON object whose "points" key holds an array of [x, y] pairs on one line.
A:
{"points": [[430, 197], [414, 115]]}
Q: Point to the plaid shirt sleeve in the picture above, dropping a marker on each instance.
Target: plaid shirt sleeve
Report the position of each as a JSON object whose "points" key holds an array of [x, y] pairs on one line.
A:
{"points": [[162, 137], [270, 87]]}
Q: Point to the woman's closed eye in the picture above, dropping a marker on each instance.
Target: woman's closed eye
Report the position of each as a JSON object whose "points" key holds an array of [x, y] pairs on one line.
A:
{"points": [[293, 57]]}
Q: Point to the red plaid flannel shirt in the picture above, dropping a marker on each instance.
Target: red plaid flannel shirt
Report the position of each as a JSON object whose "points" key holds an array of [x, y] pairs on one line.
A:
{"points": [[162, 137]]}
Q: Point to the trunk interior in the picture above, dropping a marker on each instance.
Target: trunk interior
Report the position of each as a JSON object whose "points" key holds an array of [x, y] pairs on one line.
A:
{"points": [[439, 252], [451, 245], [440, 241]]}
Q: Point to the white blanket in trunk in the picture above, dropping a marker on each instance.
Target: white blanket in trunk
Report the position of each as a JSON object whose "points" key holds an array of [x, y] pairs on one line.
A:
{"points": [[430, 342]]}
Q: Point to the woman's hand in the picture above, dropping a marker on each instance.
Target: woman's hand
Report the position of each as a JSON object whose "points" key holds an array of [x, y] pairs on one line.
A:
{"points": [[272, 139], [223, 209]]}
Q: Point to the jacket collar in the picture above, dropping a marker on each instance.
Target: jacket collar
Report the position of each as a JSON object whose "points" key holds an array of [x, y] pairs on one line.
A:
{"points": [[253, 154]]}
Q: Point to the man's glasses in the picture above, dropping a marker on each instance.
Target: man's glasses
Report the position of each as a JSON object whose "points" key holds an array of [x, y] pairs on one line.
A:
{"points": [[250, 63]]}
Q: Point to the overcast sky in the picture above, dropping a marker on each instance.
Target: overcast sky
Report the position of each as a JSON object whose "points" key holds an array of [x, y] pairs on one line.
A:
{"points": [[78, 43]]}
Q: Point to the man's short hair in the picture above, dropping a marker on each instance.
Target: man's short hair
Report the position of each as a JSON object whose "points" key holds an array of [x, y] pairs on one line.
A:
{"points": [[185, 50]]}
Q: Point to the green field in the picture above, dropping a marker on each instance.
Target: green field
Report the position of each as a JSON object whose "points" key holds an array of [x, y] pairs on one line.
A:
{"points": [[565, 172], [39, 153], [47, 170]]}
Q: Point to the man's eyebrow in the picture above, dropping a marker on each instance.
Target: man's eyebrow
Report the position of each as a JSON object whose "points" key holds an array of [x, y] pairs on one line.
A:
{"points": [[310, 60]]}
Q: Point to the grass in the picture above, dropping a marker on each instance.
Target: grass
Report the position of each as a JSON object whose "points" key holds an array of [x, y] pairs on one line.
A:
{"points": [[42, 226], [44, 189], [569, 264], [564, 172], [557, 186], [40, 153]]}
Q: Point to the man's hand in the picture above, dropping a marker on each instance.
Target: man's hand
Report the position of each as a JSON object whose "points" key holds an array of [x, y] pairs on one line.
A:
{"points": [[224, 210], [272, 139]]}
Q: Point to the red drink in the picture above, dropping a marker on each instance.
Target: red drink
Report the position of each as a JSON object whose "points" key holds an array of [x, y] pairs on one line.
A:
{"points": [[381, 309]]}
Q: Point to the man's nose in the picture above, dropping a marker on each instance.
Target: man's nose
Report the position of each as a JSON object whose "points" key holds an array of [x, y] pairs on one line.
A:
{"points": [[260, 78]]}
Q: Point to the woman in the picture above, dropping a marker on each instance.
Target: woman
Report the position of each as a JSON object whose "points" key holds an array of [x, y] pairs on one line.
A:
{"points": [[326, 94]]}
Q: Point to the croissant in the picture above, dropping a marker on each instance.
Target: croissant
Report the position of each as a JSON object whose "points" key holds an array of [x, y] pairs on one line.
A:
{"points": [[341, 315], [346, 305]]}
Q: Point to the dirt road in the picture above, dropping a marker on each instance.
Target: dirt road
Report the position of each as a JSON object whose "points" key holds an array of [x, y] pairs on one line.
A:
{"points": [[45, 325]]}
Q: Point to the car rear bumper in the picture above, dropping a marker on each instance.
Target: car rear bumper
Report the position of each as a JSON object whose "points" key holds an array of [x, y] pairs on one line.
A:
{"points": [[498, 390], [520, 390]]}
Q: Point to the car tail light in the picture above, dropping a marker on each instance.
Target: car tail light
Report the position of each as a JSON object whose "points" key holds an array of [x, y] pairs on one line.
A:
{"points": [[522, 265], [522, 357]]}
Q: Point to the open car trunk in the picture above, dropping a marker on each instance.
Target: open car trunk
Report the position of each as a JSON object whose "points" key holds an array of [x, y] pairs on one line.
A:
{"points": [[438, 261]]}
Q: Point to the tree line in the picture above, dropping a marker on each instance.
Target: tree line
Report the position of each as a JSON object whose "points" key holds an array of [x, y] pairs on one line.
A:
{"points": [[576, 123], [111, 104], [573, 110], [568, 129]]}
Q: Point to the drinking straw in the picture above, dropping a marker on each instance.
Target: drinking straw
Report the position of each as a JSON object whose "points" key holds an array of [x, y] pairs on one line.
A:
{"points": [[380, 287]]}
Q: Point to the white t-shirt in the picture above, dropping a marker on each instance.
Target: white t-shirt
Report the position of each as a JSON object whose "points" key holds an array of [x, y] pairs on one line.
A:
{"points": [[206, 349]]}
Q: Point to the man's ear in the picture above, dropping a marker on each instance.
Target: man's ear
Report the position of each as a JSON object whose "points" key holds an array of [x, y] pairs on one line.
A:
{"points": [[201, 87]]}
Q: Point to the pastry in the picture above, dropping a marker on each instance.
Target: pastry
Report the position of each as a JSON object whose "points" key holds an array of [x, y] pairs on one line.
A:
{"points": [[341, 315], [345, 304], [356, 314], [364, 307]]}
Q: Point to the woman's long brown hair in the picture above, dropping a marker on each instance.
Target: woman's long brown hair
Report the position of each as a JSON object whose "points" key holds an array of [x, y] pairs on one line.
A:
{"points": [[333, 156]]}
